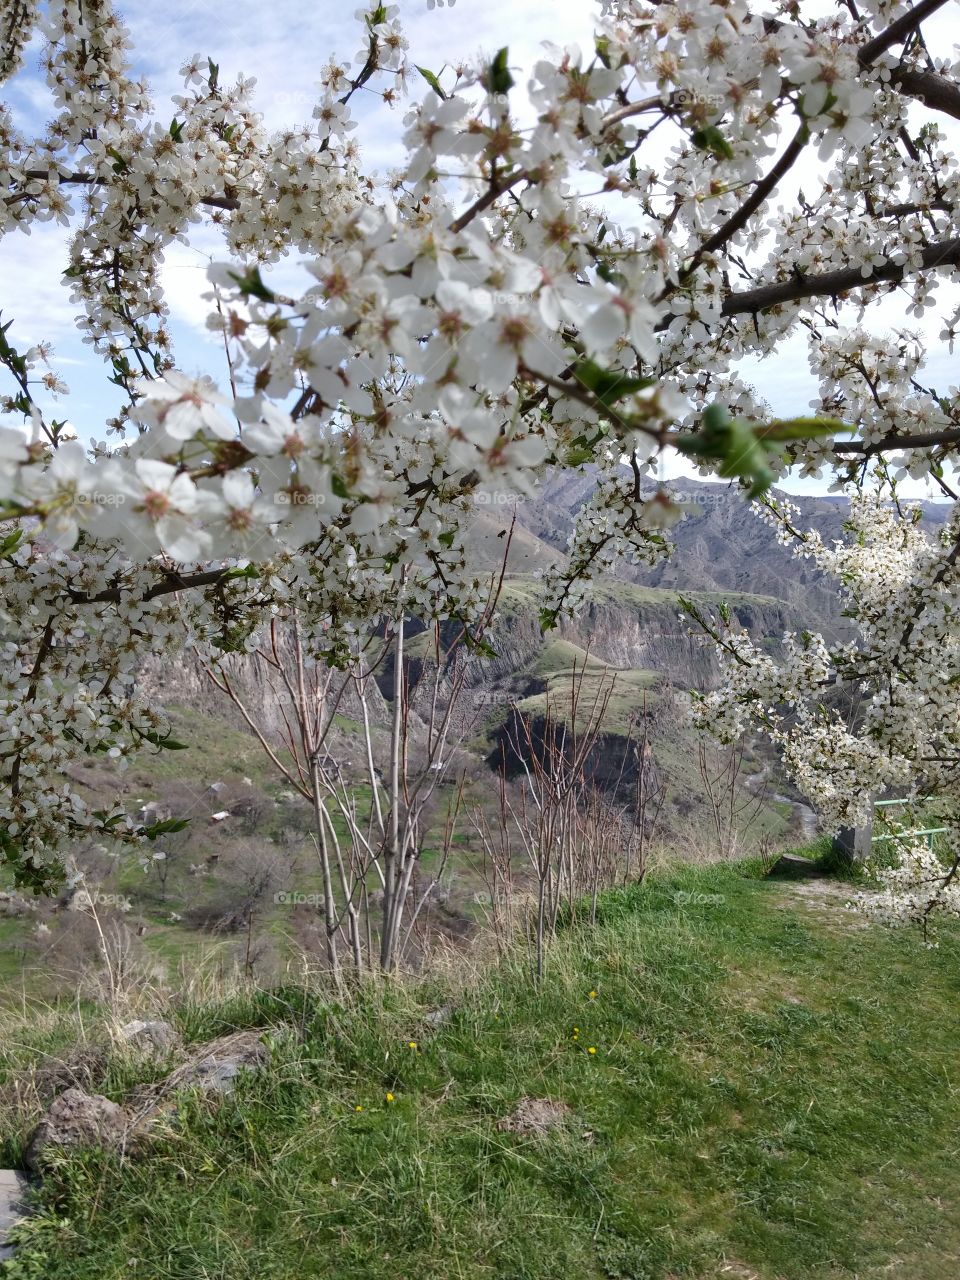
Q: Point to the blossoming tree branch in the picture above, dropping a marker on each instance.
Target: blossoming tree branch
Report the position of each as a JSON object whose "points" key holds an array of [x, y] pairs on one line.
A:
{"points": [[558, 273]]}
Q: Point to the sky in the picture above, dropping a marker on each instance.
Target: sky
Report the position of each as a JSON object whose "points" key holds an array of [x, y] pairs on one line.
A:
{"points": [[282, 44]]}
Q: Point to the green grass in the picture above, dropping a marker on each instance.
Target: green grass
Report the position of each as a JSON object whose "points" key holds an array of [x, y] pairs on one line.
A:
{"points": [[521, 594], [562, 655], [622, 693], [216, 751], [771, 1095], [11, 931]]}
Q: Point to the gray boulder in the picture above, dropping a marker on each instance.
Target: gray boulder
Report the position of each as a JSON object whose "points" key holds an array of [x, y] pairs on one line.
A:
{"points": [[76, 1119], [154, 1038], [224, 1059]]}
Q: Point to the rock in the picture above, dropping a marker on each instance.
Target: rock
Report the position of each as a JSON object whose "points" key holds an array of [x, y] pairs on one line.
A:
{"points": [[76, 1119], [154, 1038], [222, 1061], [213, 1069], [439, 1017], [13, 1189]]}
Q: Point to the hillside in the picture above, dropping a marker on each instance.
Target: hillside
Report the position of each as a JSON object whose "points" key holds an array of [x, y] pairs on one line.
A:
{"points": [[214, 893], [723, 1078], [720, 545]]}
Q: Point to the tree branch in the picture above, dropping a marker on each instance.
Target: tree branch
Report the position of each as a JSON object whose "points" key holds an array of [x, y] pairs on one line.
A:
{"points": [[928, 440], [933, 90], [172, 582], [944, 253], [898, 31]]}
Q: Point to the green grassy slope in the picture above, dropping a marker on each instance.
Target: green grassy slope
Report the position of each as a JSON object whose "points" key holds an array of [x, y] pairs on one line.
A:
{"points": [[769, 1097]]}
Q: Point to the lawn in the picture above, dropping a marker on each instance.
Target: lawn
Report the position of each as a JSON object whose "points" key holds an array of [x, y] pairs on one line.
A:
{"points": [[750, 1082]]}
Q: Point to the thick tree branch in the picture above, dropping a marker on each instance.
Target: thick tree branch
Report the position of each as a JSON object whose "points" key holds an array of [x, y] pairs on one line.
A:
{"points": [[172, 582], [887, 444], [932, 90], [944, 253], [897, 32]]}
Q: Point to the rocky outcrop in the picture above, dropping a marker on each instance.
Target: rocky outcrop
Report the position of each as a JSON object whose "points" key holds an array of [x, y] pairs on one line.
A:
{"points": [[186, 684], [76, 1118], [720, 545]]}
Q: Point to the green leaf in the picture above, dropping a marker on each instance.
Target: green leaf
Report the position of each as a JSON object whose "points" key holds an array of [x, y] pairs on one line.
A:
{"points": [[732, 444], [446, 539], [498, 78], [338, 486], [107, 819], [119, 164], [608, 385], [784, 430], [709, 138], [167, 743], [432, 81], [10, 543], [251, 285], [716, 418], [606, 272], [548, 619], [248, 571], [482, 648], [577, 456], [176, 129], [167, 827]]}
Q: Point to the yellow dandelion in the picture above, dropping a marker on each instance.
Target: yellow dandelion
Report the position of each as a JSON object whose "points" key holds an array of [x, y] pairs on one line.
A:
{"points": [[390, 1097], [358, 1108], [591, 1049], [592, 995], [412, 1044], [576, 1031]]}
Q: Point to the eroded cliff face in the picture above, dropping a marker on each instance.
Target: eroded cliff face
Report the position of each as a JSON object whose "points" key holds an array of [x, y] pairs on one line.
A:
{"points": [[652, 634], [185, 683], [624, 629], [627, 632]]}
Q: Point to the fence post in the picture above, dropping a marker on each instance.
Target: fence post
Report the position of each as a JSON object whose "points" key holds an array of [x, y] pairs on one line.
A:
{"points": [[853, 844]]}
